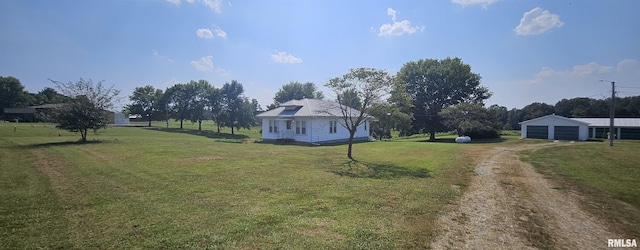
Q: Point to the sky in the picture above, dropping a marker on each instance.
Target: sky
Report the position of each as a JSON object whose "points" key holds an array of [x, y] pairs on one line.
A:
{"points": [[525, 51]]}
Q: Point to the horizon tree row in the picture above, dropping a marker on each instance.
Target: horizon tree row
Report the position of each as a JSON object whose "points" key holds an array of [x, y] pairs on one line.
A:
{"points": [[196, 101]]}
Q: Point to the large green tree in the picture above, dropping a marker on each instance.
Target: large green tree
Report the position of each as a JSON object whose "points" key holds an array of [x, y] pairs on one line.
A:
{"points": [[180, 101], [237, 111], [89, 106], [145, 100], [200, 100], [470, 119], [296, 91], [365, 86], [12, 94], [436, 84]]}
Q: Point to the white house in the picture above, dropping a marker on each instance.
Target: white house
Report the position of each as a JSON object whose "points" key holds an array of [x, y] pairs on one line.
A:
{"points": [[311, 121], [555, 127]]}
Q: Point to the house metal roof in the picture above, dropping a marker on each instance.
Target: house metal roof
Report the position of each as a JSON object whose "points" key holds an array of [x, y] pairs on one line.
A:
{"points": [[308, 108], [617, 122], [553, 116], [595, 122]]}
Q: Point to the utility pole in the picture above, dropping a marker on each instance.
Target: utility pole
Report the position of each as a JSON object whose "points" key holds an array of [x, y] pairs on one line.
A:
{"points": [[612, 113]]}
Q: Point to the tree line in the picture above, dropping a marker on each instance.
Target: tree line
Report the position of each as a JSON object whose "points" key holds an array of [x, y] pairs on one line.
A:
{"points": [[426, 96], [196, 101]]}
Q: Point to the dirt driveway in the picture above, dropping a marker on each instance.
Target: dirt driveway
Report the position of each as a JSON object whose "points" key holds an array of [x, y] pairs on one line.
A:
{"points": [[508, 205]]}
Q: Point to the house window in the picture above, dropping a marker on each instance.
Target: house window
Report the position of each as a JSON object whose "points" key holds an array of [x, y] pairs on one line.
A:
{"points": [[288, 125], [365, 125], [333, 127], [301, 128], [273, 126]]}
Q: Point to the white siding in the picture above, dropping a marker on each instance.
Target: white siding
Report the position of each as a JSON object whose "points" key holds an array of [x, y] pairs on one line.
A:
{"points": [[317, 130], [551, 121]]}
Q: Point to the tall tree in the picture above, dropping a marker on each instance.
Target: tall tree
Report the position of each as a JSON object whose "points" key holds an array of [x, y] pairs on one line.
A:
{"points": [[49, 96], [388, 116], [89, 107], [368, 86], [179, 99], [535, 110], [144, 100], [296, 91], [216, 106], [470, 119], [200, 100], [501, 115], [12, 94], [233, 102], [436, 84]]}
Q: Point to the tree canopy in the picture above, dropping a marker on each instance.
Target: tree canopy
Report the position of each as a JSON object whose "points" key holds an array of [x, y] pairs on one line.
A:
{"points": [[470, 119], [88, 108], [365, 86], [436, 84], [296, 91], [12, 94], [145, 100]]}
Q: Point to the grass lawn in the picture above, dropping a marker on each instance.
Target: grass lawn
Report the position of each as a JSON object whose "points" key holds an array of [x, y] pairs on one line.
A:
{"points": [[605, 175], [132, 187]]}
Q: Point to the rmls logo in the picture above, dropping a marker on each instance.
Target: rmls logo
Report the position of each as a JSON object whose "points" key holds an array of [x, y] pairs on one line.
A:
{"points": [[622, 243]]}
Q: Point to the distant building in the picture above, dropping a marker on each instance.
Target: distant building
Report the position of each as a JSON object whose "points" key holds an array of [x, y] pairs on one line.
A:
{"points": [[557, 127]]}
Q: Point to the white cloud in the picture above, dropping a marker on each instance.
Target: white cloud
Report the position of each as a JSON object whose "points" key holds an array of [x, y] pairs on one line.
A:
{"points": [[550, 85], [283, 57], [223, 72], [466, 3], [204, 64], [537, 21], [397, 28], [220, 33], [155, 53], [204, 33], [212, 4], [589, 70], [176, 2]]}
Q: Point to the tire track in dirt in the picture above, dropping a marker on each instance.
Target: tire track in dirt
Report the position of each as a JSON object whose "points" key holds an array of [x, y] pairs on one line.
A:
{"points": [[508, 205]]}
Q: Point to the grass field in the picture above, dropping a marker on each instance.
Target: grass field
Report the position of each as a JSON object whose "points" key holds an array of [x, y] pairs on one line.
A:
{"points": [[132, 187], [159, 188], [604, 175]]}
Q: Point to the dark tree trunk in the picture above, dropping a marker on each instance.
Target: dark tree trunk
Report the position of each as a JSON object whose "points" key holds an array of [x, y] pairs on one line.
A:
{"points": [[351, 134], [180, 123], [149, 118], [231, 129], [83, 134], [432, 135], [199, 124], [218, 128]]}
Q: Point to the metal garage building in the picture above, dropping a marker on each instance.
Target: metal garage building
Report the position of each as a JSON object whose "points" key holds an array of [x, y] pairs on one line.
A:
{"points": [[579, 129], [555, 127], [623, 128]]}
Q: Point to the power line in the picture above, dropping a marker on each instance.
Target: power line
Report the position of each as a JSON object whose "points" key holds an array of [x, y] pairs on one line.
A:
{"points": [[629, 87]]}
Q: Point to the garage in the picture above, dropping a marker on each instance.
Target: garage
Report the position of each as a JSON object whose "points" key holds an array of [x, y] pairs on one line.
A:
{"points": [[538, 132], [555, 127], [569, 133]]}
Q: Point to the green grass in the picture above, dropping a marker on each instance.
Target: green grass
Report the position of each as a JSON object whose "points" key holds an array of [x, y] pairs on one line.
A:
{"points": [[142, 188], [606, 175]]}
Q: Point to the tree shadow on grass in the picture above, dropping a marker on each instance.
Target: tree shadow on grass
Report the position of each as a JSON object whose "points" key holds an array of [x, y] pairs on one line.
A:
{"points": [[473, 141], [361, 169], [61, 143], [220, 137]]}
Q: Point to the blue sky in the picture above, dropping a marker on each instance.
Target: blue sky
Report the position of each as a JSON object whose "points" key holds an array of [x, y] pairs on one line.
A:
{"points": [[525, 51]]}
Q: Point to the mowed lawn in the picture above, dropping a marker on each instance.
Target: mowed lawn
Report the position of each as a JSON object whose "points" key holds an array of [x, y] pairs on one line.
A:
{"points": [[607, 177], [157, 188]]}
